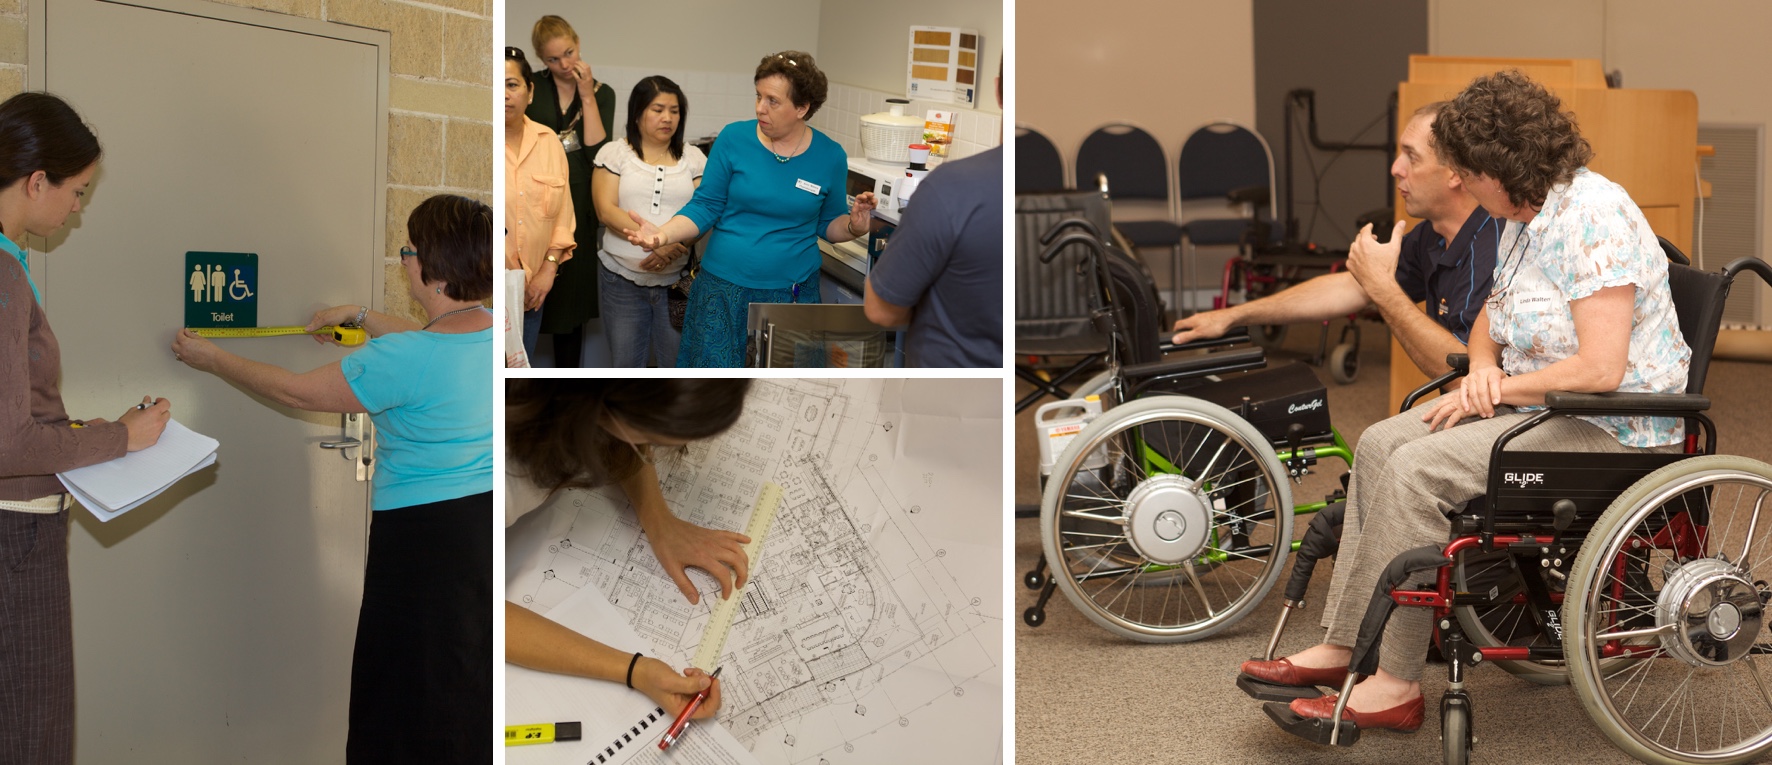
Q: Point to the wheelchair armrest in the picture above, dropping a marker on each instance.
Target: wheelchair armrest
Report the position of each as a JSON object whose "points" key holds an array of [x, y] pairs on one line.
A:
{"points": [[1672, 403], [1257, 195], [1236, 336], [1196, 366], [1460, 364]]}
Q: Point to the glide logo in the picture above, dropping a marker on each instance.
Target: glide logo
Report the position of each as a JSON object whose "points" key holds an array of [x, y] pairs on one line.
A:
{"points": [[1523, 480], [1315, 403]]}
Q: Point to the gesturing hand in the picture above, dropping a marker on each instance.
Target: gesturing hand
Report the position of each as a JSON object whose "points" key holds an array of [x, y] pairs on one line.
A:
{"points": [[681, 545], [645, 235], [861, 215], [1374, 265]]}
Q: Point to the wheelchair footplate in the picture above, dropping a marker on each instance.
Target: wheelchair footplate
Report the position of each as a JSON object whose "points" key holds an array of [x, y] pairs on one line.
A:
{"points": [[1263, 690], [1313, 729]]}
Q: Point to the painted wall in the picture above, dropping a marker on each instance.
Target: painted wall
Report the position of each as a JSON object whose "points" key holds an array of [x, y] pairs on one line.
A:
{"points": [[865, 45], [1353, 54], [1167, 67]]}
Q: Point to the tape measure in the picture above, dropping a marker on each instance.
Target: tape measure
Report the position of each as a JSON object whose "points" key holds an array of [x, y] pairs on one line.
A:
{"points": [[344, 335], [713, 641]]}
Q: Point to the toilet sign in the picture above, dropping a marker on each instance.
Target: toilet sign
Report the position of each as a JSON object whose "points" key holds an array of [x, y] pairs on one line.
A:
{"points": [[221, 289]]}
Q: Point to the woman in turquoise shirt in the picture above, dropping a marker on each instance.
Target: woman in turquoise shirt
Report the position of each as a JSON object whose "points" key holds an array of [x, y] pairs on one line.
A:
{"points": [[421, 675], [772, 188]]}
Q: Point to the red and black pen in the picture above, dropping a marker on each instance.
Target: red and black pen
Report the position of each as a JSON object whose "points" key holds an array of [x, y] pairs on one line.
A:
{"points": [[682, 722]]}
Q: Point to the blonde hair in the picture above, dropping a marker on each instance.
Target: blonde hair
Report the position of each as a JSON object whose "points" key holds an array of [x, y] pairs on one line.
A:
{"points": [[548, 28]]}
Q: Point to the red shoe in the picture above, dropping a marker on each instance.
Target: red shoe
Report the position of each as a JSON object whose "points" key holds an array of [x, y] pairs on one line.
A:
{"points": [[1283, 672], [1404, 717]]}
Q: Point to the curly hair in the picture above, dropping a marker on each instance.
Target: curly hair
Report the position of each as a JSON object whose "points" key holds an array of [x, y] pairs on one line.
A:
{"points": [[554, 427], [806, 84], [1507, 127]]}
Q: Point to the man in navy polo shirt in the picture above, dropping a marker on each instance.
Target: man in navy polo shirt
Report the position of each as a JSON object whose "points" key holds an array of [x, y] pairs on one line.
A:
{"points": [[1446, 261]]}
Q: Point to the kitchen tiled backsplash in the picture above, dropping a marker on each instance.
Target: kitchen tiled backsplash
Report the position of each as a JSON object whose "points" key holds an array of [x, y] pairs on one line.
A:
{"points": [[719, 98]]}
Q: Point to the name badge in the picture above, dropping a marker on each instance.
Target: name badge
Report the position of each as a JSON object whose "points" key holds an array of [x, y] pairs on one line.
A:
{"points": [[807, 186], [1537, 301]]}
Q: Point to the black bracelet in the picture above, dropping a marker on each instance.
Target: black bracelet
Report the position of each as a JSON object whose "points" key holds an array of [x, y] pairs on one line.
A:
{"points": [[631, 663]]}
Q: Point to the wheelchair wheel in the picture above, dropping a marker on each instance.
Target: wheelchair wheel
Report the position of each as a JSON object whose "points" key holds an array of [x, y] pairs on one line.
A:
{"points": [[1455, 732], [1502, 625], [1344, 363], [1167, 519], [1668, 578]]}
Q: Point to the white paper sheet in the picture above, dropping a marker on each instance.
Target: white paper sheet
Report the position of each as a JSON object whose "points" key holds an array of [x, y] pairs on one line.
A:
{"points": [[872, 630], [112, 488], [607, 710]]}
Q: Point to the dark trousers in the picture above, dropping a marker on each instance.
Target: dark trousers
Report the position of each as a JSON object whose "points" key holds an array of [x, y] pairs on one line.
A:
{"points": [[421, 675], [36, 640]]}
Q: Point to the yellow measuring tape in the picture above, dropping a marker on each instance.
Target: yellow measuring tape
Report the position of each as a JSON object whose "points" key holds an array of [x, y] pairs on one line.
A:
{"points": [[344, 335], [713, 641]]}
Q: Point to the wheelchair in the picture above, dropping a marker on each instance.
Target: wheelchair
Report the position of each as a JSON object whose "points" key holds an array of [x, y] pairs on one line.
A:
{"points": [[1638, 579], [1169, 516]]}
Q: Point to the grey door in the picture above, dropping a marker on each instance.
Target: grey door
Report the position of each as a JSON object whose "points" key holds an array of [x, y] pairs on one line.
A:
{"points": [[215, 624]]}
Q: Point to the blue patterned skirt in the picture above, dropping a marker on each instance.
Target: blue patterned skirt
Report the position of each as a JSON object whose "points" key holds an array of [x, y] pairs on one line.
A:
{"points": [[714, 325]]}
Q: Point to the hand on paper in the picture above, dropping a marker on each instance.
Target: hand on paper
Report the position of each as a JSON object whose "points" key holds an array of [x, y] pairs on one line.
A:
{"points": [[680, 545], [672, 691], [145, 425]]}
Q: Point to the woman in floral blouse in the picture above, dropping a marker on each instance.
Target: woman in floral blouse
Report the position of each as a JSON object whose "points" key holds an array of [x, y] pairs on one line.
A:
{"points": [[1580, 303]]}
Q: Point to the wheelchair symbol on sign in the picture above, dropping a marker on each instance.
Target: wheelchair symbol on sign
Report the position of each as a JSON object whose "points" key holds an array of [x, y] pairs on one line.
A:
{"points": [[237, 287]]}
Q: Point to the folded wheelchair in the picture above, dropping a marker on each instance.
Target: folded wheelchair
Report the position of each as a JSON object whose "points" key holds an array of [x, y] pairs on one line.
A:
{"points": [[1169, 516], [1638, 579]]}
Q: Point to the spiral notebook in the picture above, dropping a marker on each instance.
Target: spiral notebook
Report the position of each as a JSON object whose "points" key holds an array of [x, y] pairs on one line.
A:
{"points": [[620, 726]]}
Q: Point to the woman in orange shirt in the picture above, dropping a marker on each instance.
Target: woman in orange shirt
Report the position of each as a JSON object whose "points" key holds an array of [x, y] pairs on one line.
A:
{"points": [[539, 219]]}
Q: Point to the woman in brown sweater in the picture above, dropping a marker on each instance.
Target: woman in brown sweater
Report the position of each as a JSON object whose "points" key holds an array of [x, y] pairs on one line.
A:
{"points": [[47, 159]]}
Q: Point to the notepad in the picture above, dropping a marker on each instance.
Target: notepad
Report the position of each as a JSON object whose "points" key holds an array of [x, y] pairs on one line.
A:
{"points": [[110, 489]]}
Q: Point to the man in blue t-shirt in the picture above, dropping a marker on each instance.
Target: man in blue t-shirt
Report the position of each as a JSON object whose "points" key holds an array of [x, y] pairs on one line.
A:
{"points": [[943, 270], [1447, 261]]}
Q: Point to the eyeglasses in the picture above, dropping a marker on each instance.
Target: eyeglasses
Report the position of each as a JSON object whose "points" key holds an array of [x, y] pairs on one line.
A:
{"points": [[408, 252]]}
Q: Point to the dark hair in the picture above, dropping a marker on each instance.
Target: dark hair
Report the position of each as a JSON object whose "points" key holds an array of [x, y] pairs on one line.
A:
{"points": [[39, 131], [647, 89], [554, 427], [806, 84], [1507, 127], [516, 54], [453, 236]]}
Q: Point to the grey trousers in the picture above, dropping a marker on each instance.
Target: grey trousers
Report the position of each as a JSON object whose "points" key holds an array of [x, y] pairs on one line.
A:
{"points": [[1405, 485], [36, 640]]}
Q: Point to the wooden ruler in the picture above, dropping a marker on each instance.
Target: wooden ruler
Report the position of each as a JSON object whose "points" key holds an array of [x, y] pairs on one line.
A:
{"points": [[713, 640]]}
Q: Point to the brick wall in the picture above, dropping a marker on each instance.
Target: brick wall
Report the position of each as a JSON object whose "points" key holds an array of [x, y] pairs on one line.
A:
{"points": [[439, 100]]}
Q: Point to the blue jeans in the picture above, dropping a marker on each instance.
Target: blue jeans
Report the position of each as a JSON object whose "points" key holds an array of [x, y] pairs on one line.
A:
{"points": [[636, 319], [531, 334]]}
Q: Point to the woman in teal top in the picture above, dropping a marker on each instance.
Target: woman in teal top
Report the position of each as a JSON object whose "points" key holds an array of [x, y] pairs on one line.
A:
{"points": [[772, 188], [421, 675]]}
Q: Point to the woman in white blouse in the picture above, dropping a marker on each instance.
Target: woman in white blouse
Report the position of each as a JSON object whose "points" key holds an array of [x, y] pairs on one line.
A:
{"points": [[652, 174]]}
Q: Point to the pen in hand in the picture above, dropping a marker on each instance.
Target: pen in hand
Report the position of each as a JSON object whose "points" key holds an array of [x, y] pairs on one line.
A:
{"points": [[682, 722]]}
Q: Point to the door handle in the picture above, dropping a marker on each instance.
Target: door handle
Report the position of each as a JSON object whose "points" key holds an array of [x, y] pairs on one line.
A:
{"points": [[358, 434]]}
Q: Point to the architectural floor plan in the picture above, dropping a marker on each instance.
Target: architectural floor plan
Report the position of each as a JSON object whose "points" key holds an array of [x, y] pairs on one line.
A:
{"points": [[871, 630]]}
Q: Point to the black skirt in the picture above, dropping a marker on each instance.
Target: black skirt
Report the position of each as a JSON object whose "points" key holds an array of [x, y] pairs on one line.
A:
{"points": [[421, 675]]}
